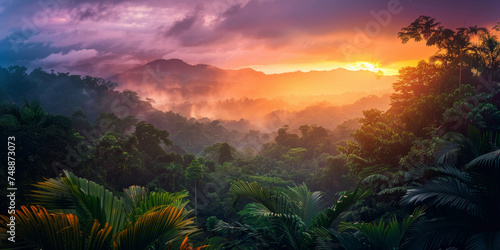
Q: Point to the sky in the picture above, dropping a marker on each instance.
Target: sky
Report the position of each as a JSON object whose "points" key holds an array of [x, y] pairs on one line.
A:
{"points": [[102, 38]]}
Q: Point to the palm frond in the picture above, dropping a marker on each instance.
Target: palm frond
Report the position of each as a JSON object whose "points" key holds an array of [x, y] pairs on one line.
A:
{"points": [[394, 190], [257, 209], [308, 203], [450, 192], [386, 235], [244, 235], [346, 200], [156, 201], [484, 240], [275, 204], [40, 228], [185, 245], [134, 195], [52, 194], [351, 240], [169, 223], [490, 160], [215, 243], [443, 171], [292, 231], [88, 199], [376, 178], [100, 203], [439, 233]]}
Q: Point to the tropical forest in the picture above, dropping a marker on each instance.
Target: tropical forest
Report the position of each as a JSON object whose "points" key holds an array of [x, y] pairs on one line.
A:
{"points": [[170, 154]]}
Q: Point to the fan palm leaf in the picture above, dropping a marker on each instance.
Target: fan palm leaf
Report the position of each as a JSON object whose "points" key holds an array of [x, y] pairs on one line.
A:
{"points": [[133, 196], [88, 199], [169, 222], [42, 229], [158, 200]]}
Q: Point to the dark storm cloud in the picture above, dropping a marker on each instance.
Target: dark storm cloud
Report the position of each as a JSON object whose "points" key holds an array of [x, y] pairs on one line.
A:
{"points": [[182, 25], [96, 13]]}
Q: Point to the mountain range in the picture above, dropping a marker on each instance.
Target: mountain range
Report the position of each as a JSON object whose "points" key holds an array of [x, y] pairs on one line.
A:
{"points": [[206, 91]]}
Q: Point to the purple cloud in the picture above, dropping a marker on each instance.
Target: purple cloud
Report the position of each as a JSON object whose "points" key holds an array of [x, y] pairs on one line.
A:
{"points": [[225, 33]]}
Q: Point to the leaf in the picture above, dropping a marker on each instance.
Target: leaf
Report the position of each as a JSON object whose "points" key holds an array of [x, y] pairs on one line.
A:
{"points": [[490, 160], [88, 199], [275, 204], [346, 200], [169, 223], [40, 228], [157, 201], [448, 192], [386, 235]]}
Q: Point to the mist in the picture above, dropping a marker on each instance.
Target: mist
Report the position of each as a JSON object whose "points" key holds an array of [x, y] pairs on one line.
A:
{"points": [[204, 91]]}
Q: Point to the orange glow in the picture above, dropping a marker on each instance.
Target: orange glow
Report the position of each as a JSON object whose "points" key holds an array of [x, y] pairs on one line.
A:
{"points": [[326, 65]]}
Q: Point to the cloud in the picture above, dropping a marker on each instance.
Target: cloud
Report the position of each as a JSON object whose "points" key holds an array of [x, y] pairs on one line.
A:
{"points": [[182, 25], [96, 13], [224, 33], [71, 58]]}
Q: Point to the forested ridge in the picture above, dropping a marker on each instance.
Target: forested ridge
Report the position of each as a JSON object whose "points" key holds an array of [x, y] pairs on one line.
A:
{"points": [[120, 174]]}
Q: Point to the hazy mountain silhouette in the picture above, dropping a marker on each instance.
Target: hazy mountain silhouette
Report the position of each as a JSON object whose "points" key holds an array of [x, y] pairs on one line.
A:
{"points": [[206, 91]]}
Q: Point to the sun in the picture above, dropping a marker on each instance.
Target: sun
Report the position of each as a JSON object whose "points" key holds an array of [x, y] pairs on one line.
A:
{"points": [[373, 67]]}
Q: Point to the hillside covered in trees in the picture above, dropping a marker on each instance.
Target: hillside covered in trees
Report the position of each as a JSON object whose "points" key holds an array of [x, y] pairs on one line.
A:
{"points": [[99, 168]]}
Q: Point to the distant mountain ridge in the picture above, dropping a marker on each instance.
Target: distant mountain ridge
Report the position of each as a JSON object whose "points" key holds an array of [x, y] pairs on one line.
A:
{"points": [[175, 73], [201, 90]]}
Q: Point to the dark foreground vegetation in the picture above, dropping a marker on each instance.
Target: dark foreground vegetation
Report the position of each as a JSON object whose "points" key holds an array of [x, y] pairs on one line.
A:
{"points": [[422, 175]]}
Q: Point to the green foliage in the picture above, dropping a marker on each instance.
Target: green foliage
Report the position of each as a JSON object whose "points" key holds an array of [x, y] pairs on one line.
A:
{"points": [[327, 218], [195, 171], [155, 218], [461, 149], [294, 156], [157, 201], [468, 199], [149, 139], [379, 143], [384, 235], [168, 222], [225, 153], [41, 140], [117, 155], [38, 228], [219, 152], [267, 181], [87, 199], [295, 213]]}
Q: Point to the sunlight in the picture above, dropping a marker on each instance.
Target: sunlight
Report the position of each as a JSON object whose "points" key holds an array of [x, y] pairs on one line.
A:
{"points": [[328, 65], [373, 67]]}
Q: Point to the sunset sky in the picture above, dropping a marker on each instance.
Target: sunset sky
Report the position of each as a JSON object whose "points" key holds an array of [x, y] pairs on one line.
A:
{"points": [[273, 36]]}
